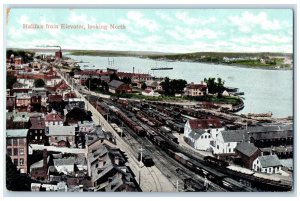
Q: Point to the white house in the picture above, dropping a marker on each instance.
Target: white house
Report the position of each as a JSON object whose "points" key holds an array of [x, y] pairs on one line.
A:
{"points": [[267, 164], [200, 132], [53, 119], [150, 92], [64, 165], [226, 141], [199, 139], [86, 126]]}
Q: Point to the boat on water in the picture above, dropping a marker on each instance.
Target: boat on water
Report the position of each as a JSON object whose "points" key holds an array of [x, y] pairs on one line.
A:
{"points": [[269, 114], [162, 68]]}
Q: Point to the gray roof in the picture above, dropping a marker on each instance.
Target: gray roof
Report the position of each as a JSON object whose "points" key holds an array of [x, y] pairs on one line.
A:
{"points": [[115, 84], [234, 135], [64, 161], [195, 134], [16, 133], [270, 128], [59, 130], [246, 148], [39, 164], [269, 161], [287, 163], [19, 116]]}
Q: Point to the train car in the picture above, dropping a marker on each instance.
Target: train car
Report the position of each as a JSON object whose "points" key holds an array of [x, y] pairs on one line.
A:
{"points": [[193, 185], [159, 141], [215, 162], [139, 130], [235, 186], [146, 158], [171, 137]]}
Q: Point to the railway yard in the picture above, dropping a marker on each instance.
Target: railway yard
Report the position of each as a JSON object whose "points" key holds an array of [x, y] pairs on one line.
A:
{"points": [[148, 132]]}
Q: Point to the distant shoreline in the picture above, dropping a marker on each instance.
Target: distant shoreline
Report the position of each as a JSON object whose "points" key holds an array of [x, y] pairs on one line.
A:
{"points": [[115, 54]]}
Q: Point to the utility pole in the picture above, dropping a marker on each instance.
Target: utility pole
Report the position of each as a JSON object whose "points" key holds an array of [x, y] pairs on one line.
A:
{"points": [[141, 159], [177, 186]]}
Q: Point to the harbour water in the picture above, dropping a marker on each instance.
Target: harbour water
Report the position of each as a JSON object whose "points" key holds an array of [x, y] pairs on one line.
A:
{"points": [[265, 90]]}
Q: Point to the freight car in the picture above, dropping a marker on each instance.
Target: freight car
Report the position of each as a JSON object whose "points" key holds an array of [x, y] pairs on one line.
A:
{"points": [[208, 172], [215, 162], [146, 158]]}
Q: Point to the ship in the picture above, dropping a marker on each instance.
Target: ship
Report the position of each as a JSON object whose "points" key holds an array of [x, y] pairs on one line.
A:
{"points": [[162, 68]]}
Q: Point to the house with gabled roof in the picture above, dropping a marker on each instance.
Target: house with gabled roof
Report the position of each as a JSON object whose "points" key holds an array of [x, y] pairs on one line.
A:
{"points": [[226, 142], [267, 164], [247, 153]]}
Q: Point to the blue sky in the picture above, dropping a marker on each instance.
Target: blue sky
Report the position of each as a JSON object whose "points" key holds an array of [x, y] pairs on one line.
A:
{"points": [[162, 30]]}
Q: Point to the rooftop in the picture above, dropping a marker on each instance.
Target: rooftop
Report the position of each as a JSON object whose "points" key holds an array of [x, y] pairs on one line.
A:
{"points": [[246, 148], [205, 123], [57, 130], [16, 133], [234, 135], [269, 161]]}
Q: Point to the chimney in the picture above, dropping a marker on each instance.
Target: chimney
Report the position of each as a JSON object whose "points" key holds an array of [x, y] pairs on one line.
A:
{"points": [[192, 83], [45, 154], [201, 82], [133, 70]]}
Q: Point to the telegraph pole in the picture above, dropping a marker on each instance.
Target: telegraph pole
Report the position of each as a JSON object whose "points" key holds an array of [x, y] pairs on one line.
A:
{"points": [[141, 159]]}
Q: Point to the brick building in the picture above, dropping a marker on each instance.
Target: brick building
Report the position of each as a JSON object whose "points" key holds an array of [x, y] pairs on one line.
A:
{"points": [[16, 147]]}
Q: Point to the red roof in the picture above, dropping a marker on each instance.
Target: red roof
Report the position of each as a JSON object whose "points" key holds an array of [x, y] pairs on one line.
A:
{"points": [[71, 94], [197, 86], [53, 117], [54, 98], [37, 123], [205, 123], [62, 86]]}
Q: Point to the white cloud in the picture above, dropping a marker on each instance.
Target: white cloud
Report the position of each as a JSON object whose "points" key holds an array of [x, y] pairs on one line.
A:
{"points": [[193, 34], [247, 21], [164, 16], [183, 16], [140, 21], [81, 18]]}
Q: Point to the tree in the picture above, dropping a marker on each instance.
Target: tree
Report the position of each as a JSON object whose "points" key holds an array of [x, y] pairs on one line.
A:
{"points": [[166, 85], [173, 86], [39, 83], [114, 76], [10, 80], [126, 80], [92, 84], [14, 180], [144, 86], [215, 87]]}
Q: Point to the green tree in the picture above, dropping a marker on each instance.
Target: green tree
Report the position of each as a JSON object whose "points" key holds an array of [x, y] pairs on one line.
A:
{"points": [[39, 83], [215, 86], [10, 80], [166, 85], [144, 86], [14, 180], [114, 76]]}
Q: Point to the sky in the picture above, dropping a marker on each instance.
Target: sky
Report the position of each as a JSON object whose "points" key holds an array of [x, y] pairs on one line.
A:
{"points": [[155, 30]]}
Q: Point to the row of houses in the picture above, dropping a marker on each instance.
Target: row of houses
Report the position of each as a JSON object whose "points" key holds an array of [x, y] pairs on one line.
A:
{"points": [[253, 148], [51, 137]]}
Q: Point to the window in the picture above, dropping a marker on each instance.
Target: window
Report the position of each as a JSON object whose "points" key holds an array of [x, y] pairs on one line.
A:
{"points": [[55, 138], [15, 151], [229, 149], [21, 141], [9, 152], [209, 136], [16, 162], [205, 136], [21, 161], [36, 137], [8, 142], [217, 146], [35, 131], [202, 137], [41, 137], [21, 151], [15, 142]]}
